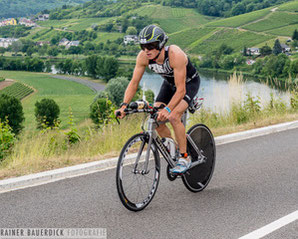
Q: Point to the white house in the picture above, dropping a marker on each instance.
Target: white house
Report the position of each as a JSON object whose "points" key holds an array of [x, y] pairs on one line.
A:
{"points": [[72, 43], [27, 22], [43, 17], [253, 51], [6, 42], [64, 42], [285, 48], [130, 38]]}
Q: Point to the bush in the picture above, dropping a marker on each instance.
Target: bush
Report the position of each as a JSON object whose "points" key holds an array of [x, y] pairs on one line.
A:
{"points": [[101, 111], [11, 109], [2, 79], [116, 89], [46, 113], [7, 138]]}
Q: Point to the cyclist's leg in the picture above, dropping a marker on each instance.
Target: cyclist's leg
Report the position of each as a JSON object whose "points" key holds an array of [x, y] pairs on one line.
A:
{"points": [[164, 96], [192, 88]]}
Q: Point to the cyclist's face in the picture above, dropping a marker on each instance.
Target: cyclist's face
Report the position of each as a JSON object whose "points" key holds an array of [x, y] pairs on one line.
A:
{"points": [[151, 49]]}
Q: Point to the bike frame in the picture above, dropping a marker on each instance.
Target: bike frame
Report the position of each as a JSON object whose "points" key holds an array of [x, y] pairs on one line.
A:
{"points": [[154, 138]]}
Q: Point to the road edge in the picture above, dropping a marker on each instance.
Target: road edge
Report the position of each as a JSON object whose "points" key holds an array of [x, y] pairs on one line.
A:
{"points": [[92, 167]]}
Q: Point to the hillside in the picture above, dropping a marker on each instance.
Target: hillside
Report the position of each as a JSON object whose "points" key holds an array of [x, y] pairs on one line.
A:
{"points": [[19, 8], [196, 33]]}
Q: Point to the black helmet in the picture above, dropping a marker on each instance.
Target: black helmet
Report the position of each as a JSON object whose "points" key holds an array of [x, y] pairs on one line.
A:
{"points": [[151, 34]]}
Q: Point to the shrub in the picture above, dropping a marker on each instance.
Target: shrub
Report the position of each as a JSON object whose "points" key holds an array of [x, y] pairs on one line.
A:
{"points": [[116, 89], [2, 79], [47, 113], [11, 109], [101, 111], [149, 96], [7, 138]]}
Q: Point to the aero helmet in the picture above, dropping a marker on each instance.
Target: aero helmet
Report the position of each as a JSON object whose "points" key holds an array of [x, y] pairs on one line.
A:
{"points": [[151, 34]]}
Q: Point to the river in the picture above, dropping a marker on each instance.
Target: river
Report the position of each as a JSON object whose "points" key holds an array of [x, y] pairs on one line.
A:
{"points": [[219, 91]]}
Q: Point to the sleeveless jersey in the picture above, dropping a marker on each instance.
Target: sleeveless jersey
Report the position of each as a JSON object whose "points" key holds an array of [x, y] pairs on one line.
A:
{"points": [[167, 72]]}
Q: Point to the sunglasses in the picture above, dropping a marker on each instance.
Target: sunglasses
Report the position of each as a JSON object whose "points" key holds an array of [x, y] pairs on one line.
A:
{"points": [[149, 46]]}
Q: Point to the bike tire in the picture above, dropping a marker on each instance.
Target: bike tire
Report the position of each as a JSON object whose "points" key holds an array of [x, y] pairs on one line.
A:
{"points": [[128, 196], [197, 178]]}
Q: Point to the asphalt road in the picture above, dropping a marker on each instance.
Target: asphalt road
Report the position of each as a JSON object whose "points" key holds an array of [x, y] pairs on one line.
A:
{"points": [[255, 183], [96, 87]]}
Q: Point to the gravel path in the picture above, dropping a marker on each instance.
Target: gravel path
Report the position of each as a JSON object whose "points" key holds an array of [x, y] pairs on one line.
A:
{"points": [[96, 87]]}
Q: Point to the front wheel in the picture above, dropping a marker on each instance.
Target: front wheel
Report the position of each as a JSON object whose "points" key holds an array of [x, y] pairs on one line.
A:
{"points": [[136, 183], [198, 177]]}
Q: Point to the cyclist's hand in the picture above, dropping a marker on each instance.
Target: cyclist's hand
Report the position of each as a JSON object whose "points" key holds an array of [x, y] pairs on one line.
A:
{"points": [[120, 112], [163, 115]]}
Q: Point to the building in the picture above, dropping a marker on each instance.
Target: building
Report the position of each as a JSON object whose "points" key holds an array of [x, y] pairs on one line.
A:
{"points": [[6, 42], [43, 17], [72, 43], [250, 62], [253, 51], [41, 43], [9, 22], [285, 48], [130, 38], [63, 42], [27, 22]]}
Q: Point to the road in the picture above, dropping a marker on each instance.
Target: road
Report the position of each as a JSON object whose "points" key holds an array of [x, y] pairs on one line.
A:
{"points": [[255, 183], [96, 87]]}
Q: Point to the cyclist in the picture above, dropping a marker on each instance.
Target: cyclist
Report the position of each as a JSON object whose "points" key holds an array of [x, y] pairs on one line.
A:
{"points": [[181, 84]]}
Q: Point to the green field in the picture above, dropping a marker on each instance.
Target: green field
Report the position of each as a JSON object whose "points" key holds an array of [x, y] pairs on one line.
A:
{"points": [[172, 19], [65, 93], [290, 6], [231, 37], [185, 38], [275, 20], [284, 31], [240, 20]]}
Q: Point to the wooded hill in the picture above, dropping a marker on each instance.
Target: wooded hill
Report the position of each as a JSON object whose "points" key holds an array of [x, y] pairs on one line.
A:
{"points": [[19, 8]]}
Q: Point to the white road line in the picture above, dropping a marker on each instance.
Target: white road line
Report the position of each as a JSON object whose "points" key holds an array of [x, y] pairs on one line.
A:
{"points": [[263, 231]]}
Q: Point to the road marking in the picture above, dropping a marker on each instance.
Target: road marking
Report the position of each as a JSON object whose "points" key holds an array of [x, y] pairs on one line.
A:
{"points": [[263, 231]]}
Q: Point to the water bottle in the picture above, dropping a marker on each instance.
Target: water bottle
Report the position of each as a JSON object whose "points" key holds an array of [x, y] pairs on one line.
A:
{"points": [[171, 146], [140, 104]]}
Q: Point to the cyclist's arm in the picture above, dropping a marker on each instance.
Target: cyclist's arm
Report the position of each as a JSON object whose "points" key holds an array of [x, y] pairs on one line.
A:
{"points": [[178, 61], [139, 70]]}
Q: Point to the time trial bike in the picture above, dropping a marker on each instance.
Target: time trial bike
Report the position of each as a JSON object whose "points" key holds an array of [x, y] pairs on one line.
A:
{"points": [[138, 168]]}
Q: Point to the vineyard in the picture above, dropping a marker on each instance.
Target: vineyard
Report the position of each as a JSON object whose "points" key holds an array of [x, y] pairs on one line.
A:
{"points": [[17, 90]]}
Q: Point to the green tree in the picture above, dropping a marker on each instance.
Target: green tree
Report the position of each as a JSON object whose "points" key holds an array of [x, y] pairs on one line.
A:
{"points": [[265, 50], [131, 31], [101, 111], [11, 109], [295, 35], [7, 138], [91, 65], [46, 112], [116, 89], [277, 47], [16, 46], [2, 50]]}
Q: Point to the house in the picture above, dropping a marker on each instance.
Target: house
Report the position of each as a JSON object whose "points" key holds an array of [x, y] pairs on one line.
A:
{"points": [[63, 42], [285, 48], [9, 22], [6, 42], [253, 51], [250, 62], [43, 17], [27, 22], [72, 43], [41, 43], [130, 38]]}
